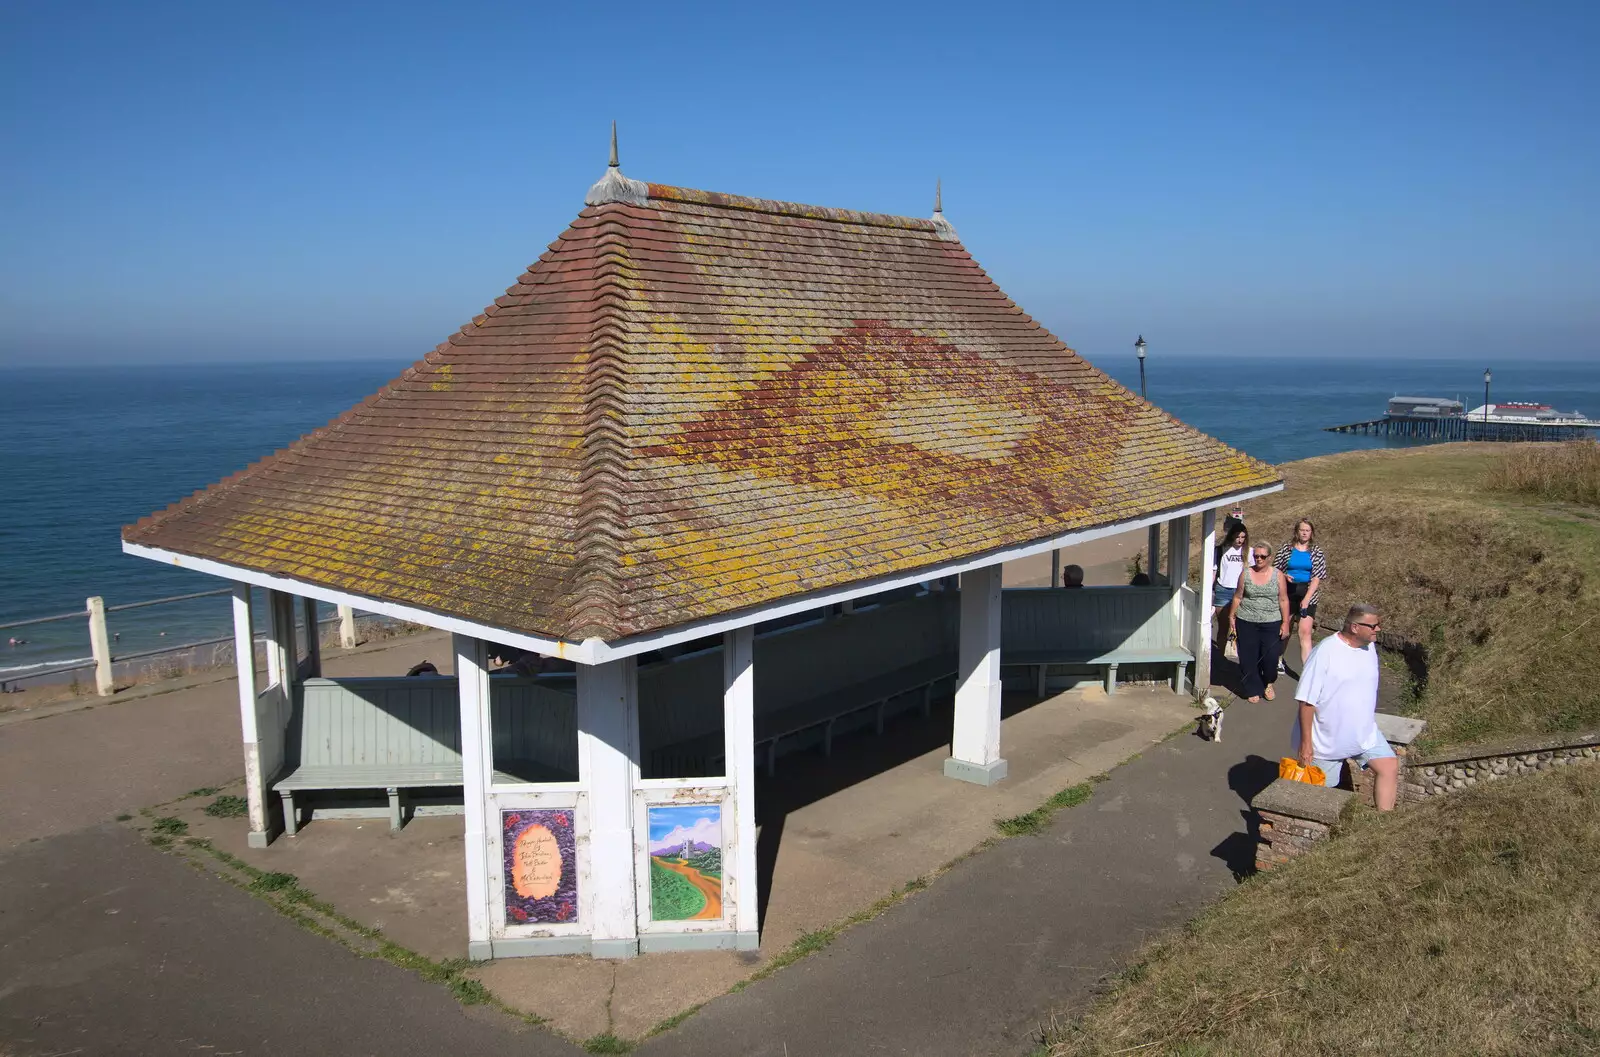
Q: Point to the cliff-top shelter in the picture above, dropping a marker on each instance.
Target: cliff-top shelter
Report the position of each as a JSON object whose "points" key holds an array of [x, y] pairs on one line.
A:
{"points": [[693, 414]]}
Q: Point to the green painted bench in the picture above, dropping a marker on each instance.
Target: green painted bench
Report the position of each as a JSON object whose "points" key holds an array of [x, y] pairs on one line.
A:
{"points": [[809, 678], [1097, 627], [405, 733]]}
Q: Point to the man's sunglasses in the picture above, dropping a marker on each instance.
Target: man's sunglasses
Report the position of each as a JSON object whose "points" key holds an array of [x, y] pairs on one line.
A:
{"points": [[1374, 627]]}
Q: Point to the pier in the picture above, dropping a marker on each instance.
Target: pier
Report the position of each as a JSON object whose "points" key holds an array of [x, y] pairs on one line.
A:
{"points": [[1427, 418]]}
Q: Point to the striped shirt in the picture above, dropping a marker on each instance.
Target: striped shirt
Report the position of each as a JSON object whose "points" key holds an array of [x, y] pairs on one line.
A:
{"points": [[1319, 567]]}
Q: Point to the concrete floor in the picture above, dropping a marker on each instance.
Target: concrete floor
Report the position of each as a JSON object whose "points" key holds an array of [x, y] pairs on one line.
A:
{"points": [[834, 836]]}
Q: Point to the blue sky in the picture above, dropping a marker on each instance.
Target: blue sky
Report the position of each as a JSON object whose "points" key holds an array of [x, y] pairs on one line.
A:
{"points": [[204, 181]]}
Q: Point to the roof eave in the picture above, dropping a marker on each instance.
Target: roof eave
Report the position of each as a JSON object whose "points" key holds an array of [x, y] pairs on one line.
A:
{"points": [[598, 651], [637, 644], [582, 652]]}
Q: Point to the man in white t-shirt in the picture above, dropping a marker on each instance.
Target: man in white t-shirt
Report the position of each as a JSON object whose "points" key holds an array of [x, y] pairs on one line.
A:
{"points": [[1338, 696]]}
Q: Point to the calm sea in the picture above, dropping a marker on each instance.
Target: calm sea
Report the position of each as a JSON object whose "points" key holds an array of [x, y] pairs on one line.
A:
{"points": [[85, 451]]}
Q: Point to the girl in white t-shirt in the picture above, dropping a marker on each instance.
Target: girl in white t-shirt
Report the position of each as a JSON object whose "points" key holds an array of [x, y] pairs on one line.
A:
{"points": [[1230, 563]]}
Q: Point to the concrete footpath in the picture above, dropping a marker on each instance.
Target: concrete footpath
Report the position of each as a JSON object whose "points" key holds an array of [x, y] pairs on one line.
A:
{"points": [[108, 945], [978, 962]]}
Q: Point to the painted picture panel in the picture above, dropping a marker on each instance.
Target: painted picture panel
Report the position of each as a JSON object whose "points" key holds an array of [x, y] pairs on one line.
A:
{"points": [[541, 870], [686, 862]]}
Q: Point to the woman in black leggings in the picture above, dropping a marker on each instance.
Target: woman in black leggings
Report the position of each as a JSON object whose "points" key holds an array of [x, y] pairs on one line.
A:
{"points": [[1259, 615]]}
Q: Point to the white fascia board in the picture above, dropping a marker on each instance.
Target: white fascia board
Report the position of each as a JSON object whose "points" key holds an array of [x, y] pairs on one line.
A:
{"points": [[582, 653], [604, 651], [597, 651]]}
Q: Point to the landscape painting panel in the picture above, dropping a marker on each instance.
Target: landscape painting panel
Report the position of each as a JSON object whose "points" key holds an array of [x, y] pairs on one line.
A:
{"points": [[541, 871], [686, 862]]}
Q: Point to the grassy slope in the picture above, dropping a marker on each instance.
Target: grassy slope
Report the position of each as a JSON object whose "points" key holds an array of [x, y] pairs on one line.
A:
{"points": [[1463, 925], [1501, 591]]}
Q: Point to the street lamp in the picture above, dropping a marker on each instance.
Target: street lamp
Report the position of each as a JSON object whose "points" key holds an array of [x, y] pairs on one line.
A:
{"points": [[1139, 348], [1486, 377]]}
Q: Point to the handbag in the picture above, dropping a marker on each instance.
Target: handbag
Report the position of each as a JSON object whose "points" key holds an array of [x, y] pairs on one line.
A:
{"points": [[1289, 767], [1230, 649]]}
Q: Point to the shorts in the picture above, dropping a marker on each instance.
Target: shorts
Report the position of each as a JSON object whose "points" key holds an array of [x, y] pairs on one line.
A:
{"points": [[1221, 596], [1297, 596], [1331, 768]]}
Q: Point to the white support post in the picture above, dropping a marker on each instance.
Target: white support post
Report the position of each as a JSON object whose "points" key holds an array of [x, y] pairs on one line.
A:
{"points": [[975, 741], [739, 750], [347, 628], [1208, 580], [608, 754], [308, 611], [100, 646], [477, 746], [1152, 562], [244, 662]]}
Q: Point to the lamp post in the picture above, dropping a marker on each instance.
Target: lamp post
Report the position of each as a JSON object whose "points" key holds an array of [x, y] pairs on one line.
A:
{"points": [[1486, 377], [1139, 348]]}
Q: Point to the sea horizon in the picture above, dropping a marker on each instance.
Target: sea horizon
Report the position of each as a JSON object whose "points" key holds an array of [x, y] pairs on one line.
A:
{"points": [[87, 450]]}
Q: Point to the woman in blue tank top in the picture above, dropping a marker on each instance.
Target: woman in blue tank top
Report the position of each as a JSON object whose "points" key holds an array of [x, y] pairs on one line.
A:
{"points": [[1303, 565]]}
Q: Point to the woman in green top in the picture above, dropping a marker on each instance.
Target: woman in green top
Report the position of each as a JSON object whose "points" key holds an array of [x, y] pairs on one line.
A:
{"points": [[1259, 616]]}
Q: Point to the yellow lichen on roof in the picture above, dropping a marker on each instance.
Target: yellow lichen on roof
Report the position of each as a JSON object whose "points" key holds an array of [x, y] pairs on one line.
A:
{"points": [[699, 405]]}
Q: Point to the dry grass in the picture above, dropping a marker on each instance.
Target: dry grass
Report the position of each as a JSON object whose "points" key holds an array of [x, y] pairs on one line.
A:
{"points": [[1466, 924], [1566, 473], [1495, 596]]}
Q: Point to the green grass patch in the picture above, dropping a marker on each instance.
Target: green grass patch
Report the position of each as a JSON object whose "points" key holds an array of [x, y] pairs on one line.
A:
{"points": [[228, 806], [205, 790], [1464, 924], [1035, 821], [674, 1020], [1485, 572], [607, 1043], [167, 826], [124, 818]]}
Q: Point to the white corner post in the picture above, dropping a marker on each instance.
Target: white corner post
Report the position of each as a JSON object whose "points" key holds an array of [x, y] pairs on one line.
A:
{"points": [[308, 617], [100, 646], [975, 741], [244, 662], [739, 750], [1152, 548], [347, 628], [472, 680], [608, 755], [1208, 581]]}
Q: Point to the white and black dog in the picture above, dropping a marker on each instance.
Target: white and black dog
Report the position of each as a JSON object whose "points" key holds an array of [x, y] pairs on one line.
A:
{"points": [[1211, 721]]}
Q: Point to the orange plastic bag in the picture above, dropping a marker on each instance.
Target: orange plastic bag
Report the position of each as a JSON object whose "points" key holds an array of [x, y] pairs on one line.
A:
{"points": [[1290, 768]]}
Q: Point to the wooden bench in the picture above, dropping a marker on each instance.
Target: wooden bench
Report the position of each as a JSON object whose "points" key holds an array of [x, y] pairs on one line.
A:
{"points": [[405, 733], [809, 677], [1096, 627]]}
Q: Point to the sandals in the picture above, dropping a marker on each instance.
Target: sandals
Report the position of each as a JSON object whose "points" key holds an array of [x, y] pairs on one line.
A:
{"points": [[1269, 693]]}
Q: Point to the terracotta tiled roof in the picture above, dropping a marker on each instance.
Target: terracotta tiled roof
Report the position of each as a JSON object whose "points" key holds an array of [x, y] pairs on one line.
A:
{"points": [[698, 405]]}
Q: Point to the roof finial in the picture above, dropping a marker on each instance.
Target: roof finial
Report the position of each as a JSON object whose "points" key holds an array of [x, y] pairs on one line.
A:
{"points": [[945, 229], [615, 187]]}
